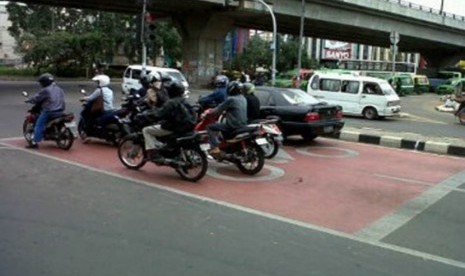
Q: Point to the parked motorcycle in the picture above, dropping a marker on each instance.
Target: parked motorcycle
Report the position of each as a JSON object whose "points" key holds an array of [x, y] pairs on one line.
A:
{"points": [[57, 129], [112, 132], [242, 147], [186, 154]]}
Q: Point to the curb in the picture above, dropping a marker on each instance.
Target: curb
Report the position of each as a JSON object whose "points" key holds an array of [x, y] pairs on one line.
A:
{"points": [[402, 143]]}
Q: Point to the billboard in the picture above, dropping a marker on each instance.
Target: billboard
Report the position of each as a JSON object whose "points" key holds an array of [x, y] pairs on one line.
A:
{"points": [[337, 50]]}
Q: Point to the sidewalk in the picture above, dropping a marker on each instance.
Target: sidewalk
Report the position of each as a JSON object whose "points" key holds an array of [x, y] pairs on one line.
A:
{"points": [[404, 140]]}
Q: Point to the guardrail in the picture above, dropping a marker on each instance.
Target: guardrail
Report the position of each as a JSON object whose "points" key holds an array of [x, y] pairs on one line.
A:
{"points": [[427, 9]]}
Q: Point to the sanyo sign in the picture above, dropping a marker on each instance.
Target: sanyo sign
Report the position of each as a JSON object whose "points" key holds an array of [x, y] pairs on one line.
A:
{"points": [[337, 50]]}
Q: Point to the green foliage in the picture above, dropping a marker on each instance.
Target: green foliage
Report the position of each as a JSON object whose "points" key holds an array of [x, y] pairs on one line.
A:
{"points": [[12, 71], [67, 40], [258, 53]]}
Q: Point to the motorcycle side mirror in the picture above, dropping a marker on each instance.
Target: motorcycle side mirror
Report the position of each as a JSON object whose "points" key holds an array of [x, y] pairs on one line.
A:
{"points": [[25, 94]]}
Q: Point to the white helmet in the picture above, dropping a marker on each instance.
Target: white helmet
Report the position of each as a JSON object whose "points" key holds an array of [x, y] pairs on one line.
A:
{"points": [[102, 80]]}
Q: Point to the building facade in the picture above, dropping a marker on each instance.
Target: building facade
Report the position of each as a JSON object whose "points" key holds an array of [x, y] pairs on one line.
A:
{"points": [[7, 42]]}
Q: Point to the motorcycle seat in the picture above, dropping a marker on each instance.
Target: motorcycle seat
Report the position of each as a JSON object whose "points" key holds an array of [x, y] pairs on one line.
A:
{"points": [[240, 133], [66, 117]]}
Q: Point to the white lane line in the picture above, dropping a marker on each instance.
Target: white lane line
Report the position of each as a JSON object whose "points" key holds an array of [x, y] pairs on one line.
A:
{"points": [[376, 243], [390, 223]]}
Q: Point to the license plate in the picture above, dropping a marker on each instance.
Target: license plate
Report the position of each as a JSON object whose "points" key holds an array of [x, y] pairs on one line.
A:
{"points": [[261, 141], [328, 129], [71, 124], [205, 147]]}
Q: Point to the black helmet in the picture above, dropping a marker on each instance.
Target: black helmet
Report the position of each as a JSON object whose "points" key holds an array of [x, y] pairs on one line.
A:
{"points": [[175, 89], [221, 81], [46, 79], [234, 88]]}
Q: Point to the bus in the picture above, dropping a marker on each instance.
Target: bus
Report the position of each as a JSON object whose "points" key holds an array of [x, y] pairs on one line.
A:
{"points": [[369, 67]]}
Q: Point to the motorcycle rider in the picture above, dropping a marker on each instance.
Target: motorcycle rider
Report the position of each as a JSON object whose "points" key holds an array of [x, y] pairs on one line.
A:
{"points": [[253, 103], [145, 82], [52, 102], [175, 116], [218, 95], [109, 113], [234, 110]]}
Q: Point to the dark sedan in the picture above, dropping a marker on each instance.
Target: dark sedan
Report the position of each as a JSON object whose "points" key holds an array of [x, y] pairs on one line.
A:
{"points": [[299, 113]]}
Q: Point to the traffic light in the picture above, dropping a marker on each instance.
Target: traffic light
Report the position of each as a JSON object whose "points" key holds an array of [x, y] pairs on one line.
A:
{"points": [[150, 27]]}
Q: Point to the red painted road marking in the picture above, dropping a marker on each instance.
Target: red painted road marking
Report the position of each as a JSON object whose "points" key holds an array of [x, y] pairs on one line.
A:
{"points": [[320, 188]]}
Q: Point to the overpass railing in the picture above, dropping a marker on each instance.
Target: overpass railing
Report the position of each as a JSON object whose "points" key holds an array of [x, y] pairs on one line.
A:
{"points": [[426, 9]]}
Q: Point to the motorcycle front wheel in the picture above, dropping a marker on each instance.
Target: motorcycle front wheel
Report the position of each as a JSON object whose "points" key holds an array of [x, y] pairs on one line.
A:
{"points": [[196, 164], [65, 138], [28, 131], [252, 160], [271, 148], [131, 153]]}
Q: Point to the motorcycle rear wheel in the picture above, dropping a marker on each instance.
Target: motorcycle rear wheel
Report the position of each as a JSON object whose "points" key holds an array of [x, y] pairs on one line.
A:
{"points": [[197, 165], [65, 138], [253, 161], [28, 131], [271, 148], [131, 153]]}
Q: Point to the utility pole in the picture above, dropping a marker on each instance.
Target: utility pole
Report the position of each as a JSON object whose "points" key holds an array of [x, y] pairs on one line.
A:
{"points": [[441, 10], [142, 37], [301, 34]]}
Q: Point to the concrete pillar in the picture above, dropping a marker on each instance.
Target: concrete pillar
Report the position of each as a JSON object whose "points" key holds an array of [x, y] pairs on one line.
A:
{"points": [[310, 47], [318, 49], [360, 51], [203, 38]]}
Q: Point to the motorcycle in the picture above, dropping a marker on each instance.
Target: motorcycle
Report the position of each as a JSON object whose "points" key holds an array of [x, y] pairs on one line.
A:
{"points": [[186, 154], [273, 136], [460, 110], [112, 132], [242, 147], [57, 129]]}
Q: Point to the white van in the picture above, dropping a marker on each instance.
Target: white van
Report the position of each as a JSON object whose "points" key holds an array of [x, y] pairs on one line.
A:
{"points": [[358, 95], [132, 74]]}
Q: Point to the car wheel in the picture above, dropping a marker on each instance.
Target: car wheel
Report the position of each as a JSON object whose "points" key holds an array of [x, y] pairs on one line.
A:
{"points": [[370, 113]]}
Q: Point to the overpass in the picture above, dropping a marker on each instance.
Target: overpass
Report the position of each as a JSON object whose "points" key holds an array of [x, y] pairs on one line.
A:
{"points": [[203, 25]]}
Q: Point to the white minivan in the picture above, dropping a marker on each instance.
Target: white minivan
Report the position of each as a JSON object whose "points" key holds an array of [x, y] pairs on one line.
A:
{"points": [[132, 75], [358, 95]]}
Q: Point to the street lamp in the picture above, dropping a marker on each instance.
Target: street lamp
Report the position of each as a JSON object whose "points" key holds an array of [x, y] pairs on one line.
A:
{"points": [[273, 65]]}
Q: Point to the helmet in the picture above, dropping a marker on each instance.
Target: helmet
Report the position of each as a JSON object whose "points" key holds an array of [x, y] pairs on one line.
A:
{"points": [[248, 88], [102, 80], [154, 76], [234, 88], [175, 88], [221, 81], [144, 80], [46, 79]]}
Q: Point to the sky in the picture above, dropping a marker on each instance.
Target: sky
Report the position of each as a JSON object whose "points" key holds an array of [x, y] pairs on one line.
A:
{"points": [[450, 6]]}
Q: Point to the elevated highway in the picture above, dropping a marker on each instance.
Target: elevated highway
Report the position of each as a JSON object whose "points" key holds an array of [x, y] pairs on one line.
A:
{"points": [[204, 23]]}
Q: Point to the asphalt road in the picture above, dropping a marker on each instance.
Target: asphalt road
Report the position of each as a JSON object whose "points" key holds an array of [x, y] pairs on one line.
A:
{"points": [[63, 218]]}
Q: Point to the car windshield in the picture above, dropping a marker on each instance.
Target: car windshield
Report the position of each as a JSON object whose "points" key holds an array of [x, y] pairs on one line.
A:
{"points": [[177, 75], [298, 97], [387, 88]]}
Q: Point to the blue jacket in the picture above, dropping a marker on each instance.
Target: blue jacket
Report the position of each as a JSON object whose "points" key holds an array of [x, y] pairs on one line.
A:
{"points": [[218, 96], [50, 98]]}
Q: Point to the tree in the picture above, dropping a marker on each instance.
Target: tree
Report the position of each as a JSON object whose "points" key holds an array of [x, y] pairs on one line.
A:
{"points": [[63, 38]]}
